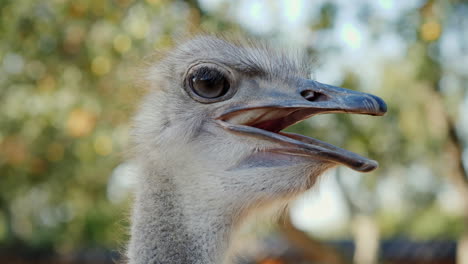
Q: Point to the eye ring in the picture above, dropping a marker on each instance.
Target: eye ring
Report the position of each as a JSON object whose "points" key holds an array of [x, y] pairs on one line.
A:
{"points": [[209, 83]]}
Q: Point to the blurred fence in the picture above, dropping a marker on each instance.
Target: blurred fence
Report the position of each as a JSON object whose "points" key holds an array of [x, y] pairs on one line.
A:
{"points": [[275, 250]]}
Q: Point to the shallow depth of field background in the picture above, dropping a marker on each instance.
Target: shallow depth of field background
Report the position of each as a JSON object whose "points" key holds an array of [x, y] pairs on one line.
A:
{"points": [[68, 70]]}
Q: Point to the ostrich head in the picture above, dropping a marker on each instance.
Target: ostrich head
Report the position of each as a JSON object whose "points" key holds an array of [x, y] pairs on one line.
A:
{"points": [[209, 143]]}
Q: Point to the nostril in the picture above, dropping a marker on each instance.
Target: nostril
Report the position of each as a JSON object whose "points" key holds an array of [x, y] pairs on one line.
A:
{"points": [[310, 95]]}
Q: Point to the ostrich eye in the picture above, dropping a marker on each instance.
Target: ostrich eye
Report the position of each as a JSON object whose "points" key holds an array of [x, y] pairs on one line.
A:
{"points": [[209, 83]]}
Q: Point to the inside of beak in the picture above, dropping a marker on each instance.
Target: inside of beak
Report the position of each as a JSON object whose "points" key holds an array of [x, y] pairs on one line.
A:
{"points": [[270, 119]]}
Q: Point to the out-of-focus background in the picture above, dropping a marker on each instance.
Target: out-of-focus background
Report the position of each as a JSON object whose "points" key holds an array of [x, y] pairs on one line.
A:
{"points": [[67, 92]]}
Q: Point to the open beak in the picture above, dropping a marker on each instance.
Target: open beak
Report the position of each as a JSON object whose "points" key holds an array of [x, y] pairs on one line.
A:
{"points": [[267, 117]]}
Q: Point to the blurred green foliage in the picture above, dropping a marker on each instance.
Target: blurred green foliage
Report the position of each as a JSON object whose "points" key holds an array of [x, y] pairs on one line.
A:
{"points": [[65, 64], [67, 92]]}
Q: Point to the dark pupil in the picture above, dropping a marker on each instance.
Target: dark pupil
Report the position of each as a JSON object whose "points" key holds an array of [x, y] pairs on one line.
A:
{"points": [[209, 83]]}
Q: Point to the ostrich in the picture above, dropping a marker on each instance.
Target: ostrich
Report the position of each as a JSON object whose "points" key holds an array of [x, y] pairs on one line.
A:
{"points": [[209, 148]]}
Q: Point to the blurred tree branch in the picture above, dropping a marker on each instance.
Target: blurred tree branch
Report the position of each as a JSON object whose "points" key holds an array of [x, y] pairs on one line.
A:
{"points": [[313, 250], [457, 171]]}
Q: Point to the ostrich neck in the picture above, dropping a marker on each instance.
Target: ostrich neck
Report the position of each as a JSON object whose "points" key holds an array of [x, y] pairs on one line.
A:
{"points": [[164, 231]]}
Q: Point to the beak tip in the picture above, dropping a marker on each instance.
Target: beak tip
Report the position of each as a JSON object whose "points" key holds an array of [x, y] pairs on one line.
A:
{"points": [[382, 106], [368, 166]]}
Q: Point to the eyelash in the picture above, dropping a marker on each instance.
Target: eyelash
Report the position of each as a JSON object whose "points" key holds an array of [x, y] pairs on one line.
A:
{"points": [[208, 73]]}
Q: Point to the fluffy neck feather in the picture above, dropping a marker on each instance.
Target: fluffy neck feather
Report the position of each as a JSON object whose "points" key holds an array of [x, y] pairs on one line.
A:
{"points": [[166, 228]]}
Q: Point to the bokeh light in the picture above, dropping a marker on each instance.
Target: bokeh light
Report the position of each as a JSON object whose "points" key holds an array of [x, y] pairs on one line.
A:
{"points": [[69, 84]]}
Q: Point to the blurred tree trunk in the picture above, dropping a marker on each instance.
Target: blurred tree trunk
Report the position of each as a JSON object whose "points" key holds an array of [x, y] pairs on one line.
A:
{"points": [[456, 170], [459, 176], [7, 218], [366, 239], [312, 250], [364, 227]]}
